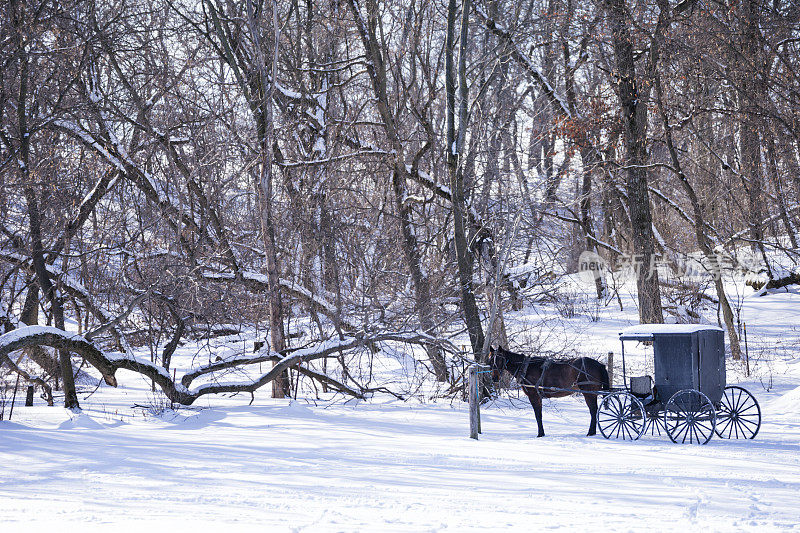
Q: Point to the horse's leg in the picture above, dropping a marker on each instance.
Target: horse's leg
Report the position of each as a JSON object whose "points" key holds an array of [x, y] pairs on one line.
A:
{"points": [[591, 402], [536, 403]]}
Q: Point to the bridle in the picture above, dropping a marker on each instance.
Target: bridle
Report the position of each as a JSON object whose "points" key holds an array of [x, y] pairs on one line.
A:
{"points": [[493, 363], [520, 374]]}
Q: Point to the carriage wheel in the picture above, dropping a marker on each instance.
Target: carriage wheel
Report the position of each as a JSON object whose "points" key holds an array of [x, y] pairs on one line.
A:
{"points": [[690, 416], [739, 415], [655, 424], [621, 416]]}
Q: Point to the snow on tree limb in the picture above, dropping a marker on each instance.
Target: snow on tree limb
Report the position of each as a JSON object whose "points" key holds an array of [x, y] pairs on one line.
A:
{"points": [[739, 235], [108, 363], [327, 160], [520, 57], [56, 338], [558, 104], [75, 289], [258, 282], [116, 155]]}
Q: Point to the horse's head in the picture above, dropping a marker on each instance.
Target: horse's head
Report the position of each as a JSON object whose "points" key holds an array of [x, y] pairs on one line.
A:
{"points": [[497, 362]]}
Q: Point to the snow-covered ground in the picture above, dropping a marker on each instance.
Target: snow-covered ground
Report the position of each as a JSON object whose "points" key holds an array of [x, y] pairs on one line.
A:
{"points": [[387, 465]]}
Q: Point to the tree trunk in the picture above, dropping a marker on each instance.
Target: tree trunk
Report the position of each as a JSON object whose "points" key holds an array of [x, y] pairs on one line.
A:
{"points": [[422, 287], [454, 145], [780, 194], [750, 98], [634, 125], [266, 134], [30, 317], [56, 304], [34, 214], [586, 220]]}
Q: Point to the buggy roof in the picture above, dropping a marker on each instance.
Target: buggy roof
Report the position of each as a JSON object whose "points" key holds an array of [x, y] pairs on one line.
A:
{"points": [[647, 331]]}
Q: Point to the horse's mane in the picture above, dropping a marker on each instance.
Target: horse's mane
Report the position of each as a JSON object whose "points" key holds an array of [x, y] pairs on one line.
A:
{"points": [[536, 359]]}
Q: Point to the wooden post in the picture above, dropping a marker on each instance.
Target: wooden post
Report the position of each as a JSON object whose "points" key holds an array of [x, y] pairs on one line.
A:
{"points": [[478, 395], [474, 408], [464, 377], [14, 398], [29, 397], [746, 350], [610, 366]]}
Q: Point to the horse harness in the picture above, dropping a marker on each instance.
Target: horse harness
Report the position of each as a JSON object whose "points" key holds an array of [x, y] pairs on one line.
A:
{"points": [[521, 375]]}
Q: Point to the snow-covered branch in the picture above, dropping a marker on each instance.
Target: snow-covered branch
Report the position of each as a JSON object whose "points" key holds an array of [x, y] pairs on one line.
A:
{"points": [[29, 336], [327, 160], [259, 283], [739, 235], [108, 363], [525, 62], [76, 290]]}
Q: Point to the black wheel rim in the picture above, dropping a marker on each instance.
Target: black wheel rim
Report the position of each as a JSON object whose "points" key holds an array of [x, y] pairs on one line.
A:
{"points": [[689, 418], [620, 416], [739, 415]]}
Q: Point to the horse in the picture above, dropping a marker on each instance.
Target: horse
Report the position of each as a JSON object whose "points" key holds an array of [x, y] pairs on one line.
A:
{"points": [[541, 377]]}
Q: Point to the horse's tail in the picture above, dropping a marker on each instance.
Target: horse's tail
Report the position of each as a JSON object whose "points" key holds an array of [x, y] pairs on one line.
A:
{"points": [[604, 381]]}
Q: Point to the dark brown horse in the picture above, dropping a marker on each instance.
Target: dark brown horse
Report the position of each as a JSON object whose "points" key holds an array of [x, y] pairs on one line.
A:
{"points": [[547, 378]]}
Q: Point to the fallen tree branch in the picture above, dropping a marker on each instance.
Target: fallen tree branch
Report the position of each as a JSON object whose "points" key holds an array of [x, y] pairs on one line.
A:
{"points": [[108, 363], [791, 279], [30, 336], [75, 290], [330, 382], [325, 349]]}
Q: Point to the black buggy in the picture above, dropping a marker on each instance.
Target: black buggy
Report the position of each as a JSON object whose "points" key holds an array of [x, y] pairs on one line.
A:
{"points": [[688, 399]]}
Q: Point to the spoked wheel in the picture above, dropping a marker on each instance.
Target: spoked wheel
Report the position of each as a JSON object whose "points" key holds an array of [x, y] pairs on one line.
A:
{"points": [[621, 416], [739, 415], [689, 416], [655, 424]]}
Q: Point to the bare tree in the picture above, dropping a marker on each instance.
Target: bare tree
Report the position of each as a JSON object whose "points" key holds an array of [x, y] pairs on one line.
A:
{"points": [[633, 96]]}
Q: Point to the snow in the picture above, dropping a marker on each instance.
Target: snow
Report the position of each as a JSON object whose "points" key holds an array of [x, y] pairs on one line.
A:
{"points": [[387, 465], [426, 179], [255, 276], [324, 160], [288, 93], [788, 405], [317, 299], [116, 356], [30, 331], [648, 330], [382, 467], [319, 146], [89, 195]]}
